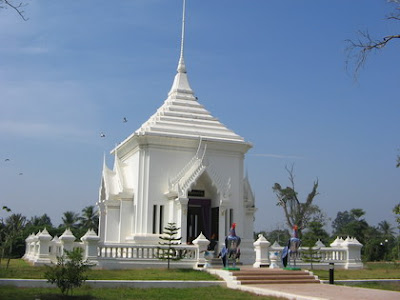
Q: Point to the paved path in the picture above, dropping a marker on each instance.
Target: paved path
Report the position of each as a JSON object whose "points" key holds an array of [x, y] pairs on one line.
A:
{"points": [[314, 291], [307, 291]]}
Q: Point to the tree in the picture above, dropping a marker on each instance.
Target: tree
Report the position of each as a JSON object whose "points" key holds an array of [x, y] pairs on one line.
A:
{"points": [[13, 237], [18, 7], [396, 211], [281, 236], [169, 253], [89, 219], [341, 220], [315, 232], [296, 212], [359, 49], [69, 271], [70, 219]]}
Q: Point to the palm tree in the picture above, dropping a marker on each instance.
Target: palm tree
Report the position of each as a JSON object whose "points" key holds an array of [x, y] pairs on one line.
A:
{"points": [[89, 219], [13, 230], [70, 220], [386, 229]]}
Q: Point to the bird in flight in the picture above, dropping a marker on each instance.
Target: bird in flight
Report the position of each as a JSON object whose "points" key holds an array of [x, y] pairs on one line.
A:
{"points": [[124, 120], [20, 173], [7, 159], [102, 135]]}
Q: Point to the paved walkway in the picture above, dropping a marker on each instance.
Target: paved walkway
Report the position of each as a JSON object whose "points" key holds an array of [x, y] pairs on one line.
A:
{"points": [[314, 291], [308, 291]]}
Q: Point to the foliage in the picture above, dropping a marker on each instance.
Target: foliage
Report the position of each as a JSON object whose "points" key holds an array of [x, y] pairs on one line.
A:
{"points": [[69, 272], [296, 212], [396, 211], [280, 236], [315, 232], [89, 219], [12, 235], [351, 224], [169, 253], [311, 255], [359, 49]]}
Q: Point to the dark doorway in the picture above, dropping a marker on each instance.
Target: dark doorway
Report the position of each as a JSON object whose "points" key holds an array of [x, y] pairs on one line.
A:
{"points": [[215, 221], [198, 218]]}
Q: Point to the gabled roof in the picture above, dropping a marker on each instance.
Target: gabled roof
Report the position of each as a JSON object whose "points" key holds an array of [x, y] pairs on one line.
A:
{"points": [[182, 115]]}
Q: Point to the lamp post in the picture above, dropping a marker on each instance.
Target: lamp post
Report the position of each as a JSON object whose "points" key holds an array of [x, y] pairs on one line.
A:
{"points": [[331, 273], [384, 245]]}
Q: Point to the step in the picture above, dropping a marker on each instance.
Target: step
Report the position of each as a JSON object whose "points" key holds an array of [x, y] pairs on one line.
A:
{"points": [[278, 281], [271, 277], [269, 273]]}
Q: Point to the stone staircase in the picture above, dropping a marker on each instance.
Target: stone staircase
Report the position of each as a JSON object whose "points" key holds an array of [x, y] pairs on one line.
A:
{"points": [[272, 276]]}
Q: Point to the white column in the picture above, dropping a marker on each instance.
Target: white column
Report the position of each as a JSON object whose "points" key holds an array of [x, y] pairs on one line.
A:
{"points": [[261, 247], [182, 217]]}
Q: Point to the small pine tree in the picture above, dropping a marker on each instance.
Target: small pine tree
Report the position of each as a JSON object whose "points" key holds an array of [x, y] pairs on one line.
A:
{"points": [[169, 253], [311, 255]]}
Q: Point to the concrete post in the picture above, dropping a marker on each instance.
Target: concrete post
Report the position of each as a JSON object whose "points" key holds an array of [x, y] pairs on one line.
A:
{"points": [[67, 239], [353, 253], [261, 247], [201, 243], [90, 241], [44, 239]]}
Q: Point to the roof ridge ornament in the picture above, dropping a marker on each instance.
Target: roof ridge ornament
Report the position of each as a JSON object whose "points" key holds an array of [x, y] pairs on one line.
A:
{"points": [[181, 64]]}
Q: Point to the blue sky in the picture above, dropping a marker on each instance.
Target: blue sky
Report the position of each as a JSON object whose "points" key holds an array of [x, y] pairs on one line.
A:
{"points": [[273, 71]]}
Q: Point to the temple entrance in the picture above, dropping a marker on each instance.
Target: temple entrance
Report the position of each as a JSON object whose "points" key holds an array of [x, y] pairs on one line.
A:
{"points": [[198, 218]]}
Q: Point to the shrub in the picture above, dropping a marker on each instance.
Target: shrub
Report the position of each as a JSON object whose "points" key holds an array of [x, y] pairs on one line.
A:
{"points": [[69, 271]]}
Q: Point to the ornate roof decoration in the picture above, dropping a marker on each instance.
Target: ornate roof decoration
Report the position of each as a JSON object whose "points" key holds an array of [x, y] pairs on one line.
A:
{"points": [[113, 181], [184, 180], [182, 115]]}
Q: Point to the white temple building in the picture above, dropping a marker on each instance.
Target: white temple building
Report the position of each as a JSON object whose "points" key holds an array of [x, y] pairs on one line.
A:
{"points": [[183, 166]]}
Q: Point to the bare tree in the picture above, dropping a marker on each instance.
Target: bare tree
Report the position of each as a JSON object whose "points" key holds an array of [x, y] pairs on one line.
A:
{"points": [[359, 49], [15, 5], [296, 212]]}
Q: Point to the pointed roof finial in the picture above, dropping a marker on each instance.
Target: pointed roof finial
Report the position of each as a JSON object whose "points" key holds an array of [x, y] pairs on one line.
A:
{"points": [[181, 64]]}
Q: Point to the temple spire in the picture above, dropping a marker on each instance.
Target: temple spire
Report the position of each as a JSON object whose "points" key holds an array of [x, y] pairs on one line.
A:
{"points": [[181, 64]]}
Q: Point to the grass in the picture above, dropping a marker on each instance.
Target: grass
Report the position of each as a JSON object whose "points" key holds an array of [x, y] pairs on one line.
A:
{"points": [[388, 286], [127, 293], [20, 269], [370, 271]]}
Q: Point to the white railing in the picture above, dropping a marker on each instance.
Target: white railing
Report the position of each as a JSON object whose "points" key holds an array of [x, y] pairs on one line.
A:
{"points": [[344, 254], [42, 249], [144, 252]]}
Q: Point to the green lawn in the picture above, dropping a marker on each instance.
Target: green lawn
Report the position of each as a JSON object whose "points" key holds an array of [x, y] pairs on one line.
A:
{"points": [[389, 286], [370, 271], [20, 269], [127, 293]]}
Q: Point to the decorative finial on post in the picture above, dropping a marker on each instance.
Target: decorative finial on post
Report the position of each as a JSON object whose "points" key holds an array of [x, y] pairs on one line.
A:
{"points": [[181, 64]]}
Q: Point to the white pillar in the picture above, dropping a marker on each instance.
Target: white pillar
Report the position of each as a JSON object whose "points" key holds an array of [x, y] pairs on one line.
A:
{"points": [[67, 240], [353, 253], [261, 247], [90, 240], [44, 239], [201, 243], [182, 217]]}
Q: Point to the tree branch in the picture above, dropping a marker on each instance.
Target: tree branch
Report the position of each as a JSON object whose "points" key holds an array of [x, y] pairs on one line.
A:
{"points": [[358, 51], [16, 7]]}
